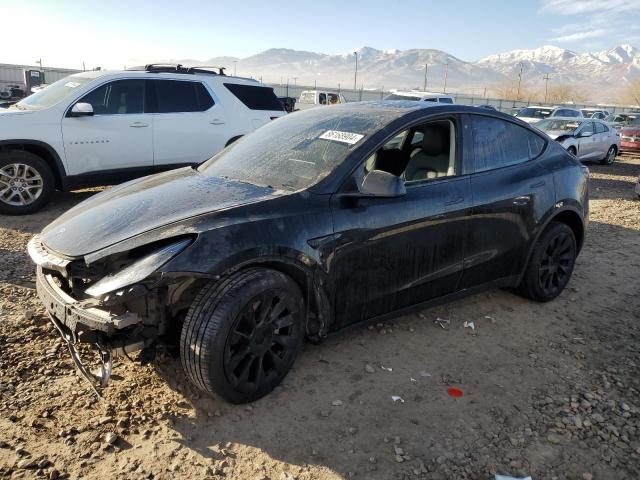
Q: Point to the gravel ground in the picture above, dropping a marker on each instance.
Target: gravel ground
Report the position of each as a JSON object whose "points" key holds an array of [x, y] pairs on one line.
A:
{"points": [[549, 390]]}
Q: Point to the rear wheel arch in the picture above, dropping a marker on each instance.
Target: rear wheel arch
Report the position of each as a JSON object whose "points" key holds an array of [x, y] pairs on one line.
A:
{"points": [[573, 221], [43, 150], [569, 217]]}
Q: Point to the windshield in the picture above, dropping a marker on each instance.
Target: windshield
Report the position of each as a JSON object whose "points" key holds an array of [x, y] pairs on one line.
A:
{"points": [[555, 125], [295, 151], [635, 121], [53, 93], [534, 112], [395, 96]]}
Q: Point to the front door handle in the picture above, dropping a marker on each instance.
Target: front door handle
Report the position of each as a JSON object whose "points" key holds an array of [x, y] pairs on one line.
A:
{"points": [[216, 121], [139, 125]]}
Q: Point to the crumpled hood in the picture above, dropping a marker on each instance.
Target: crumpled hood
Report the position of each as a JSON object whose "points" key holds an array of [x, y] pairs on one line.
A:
{"points": [[555, 134], [141, 205]]}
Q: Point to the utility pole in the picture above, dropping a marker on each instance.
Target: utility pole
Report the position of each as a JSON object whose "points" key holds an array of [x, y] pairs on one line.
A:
{"points": [[546, 86], [315, 84], [446, 74], [83, 67], [294, 81], [355, 75], [235, 63], [39, 62], [519, 81], [426, 69]]}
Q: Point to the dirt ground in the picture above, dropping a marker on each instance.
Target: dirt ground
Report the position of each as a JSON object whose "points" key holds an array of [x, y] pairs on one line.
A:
{"points": [[550, 390]]}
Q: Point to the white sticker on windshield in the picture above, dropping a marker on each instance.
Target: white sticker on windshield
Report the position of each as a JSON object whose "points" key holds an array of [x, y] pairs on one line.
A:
{"points": [[344, 137], [72, 84]]}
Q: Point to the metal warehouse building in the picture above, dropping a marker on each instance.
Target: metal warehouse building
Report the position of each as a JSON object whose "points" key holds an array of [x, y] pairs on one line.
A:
{"points": [[14, 74]]}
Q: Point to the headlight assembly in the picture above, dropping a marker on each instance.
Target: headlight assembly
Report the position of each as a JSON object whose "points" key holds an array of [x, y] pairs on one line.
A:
{"points": [[137, 271]]}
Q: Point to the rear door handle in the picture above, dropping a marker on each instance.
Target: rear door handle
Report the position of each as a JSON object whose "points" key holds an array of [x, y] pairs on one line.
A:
{"points": [[216, 121], [539, 184], [454, 201], [139, 125]]}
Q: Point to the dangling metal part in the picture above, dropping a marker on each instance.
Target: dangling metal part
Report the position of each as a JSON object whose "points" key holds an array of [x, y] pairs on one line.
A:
{"points": [[105, 358]]}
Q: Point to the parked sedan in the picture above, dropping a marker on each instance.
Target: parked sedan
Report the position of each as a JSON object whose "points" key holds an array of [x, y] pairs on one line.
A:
{"points": [[619, 120], [630, 136], [324, 219], [586, 139]]}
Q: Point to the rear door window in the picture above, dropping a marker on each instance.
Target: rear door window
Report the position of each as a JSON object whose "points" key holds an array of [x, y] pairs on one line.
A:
{"points": [[498, 143], [255, 97], [587, 128], [601, 128], [177, 96]]}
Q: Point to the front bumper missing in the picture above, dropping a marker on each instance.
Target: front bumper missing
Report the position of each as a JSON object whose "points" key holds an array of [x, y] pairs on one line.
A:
{"points": [[76, 322]]}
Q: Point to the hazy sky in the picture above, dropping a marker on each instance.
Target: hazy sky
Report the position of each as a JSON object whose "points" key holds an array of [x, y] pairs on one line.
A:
{"points": [[115, 33]]}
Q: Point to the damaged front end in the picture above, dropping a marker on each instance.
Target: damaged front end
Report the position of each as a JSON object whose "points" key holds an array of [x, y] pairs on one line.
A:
{"points": [[118, 304]]}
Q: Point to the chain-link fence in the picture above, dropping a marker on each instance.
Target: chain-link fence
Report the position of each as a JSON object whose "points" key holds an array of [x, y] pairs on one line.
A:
{"points": [[507, 106]]}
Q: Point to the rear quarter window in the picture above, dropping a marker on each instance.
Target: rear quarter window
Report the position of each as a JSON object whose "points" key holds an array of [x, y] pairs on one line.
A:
{"points": [[255, 97], [498, 143]]}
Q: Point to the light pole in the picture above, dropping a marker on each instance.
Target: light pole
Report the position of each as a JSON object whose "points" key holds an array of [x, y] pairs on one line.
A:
{"points": [[546, 86], [426, 69], [519, 81], [446, 74], [355, 75], [39, 62], [294, 81]]}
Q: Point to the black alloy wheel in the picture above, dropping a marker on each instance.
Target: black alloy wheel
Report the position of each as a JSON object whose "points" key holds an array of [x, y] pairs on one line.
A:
{"points": [[263, 341], [243, 333], [551, 263], [556, 264]]}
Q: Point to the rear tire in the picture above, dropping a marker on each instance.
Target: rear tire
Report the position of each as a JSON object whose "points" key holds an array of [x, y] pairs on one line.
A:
{"points": [[610, 156], [551, 263], [26, 182], [242, 334]]}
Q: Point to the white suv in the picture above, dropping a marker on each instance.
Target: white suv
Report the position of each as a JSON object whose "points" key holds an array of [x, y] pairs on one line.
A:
{"points": [[99, 128], [420, 96]]}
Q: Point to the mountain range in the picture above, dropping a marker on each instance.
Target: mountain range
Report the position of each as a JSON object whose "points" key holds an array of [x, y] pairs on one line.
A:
{"points": [[599, 76]]}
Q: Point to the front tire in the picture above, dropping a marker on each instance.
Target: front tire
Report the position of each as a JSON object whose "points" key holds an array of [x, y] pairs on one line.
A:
{"points": [[242, 335], [26, 183], [610, 156], [551, 263]]}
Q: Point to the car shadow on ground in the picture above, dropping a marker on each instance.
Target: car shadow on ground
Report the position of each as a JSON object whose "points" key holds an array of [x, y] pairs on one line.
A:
{"points": [[35, 222], [624, 166], [331, 411]]}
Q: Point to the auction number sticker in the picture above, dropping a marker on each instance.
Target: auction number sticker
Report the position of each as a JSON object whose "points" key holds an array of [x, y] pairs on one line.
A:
{"points": [[344, 137]]}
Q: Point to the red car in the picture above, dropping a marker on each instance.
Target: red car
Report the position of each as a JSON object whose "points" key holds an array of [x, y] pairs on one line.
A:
{"points": [[630, 136]]}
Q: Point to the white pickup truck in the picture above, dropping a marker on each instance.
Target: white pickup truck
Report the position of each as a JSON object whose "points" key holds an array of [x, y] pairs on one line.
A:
{"points": [[316, 98]]}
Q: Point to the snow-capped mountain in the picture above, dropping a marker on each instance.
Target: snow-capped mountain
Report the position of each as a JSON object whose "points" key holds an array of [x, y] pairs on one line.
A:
{"points": [[599, 75]]}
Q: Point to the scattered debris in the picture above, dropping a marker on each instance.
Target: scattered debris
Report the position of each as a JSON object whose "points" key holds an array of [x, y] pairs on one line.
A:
{"points": [[369, 369], [337, 403], [397, 398], [388, 369], [442, 322], [470, 325], [425, 374], [507, 477], [454, 392]]}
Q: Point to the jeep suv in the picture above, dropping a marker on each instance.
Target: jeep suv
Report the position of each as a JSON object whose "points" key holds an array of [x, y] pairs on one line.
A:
{"points": [[100, 128]]}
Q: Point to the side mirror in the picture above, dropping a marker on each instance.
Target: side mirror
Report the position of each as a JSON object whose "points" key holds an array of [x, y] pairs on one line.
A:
{"points": [[378, 183], [81, 109], [585, 134]]}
